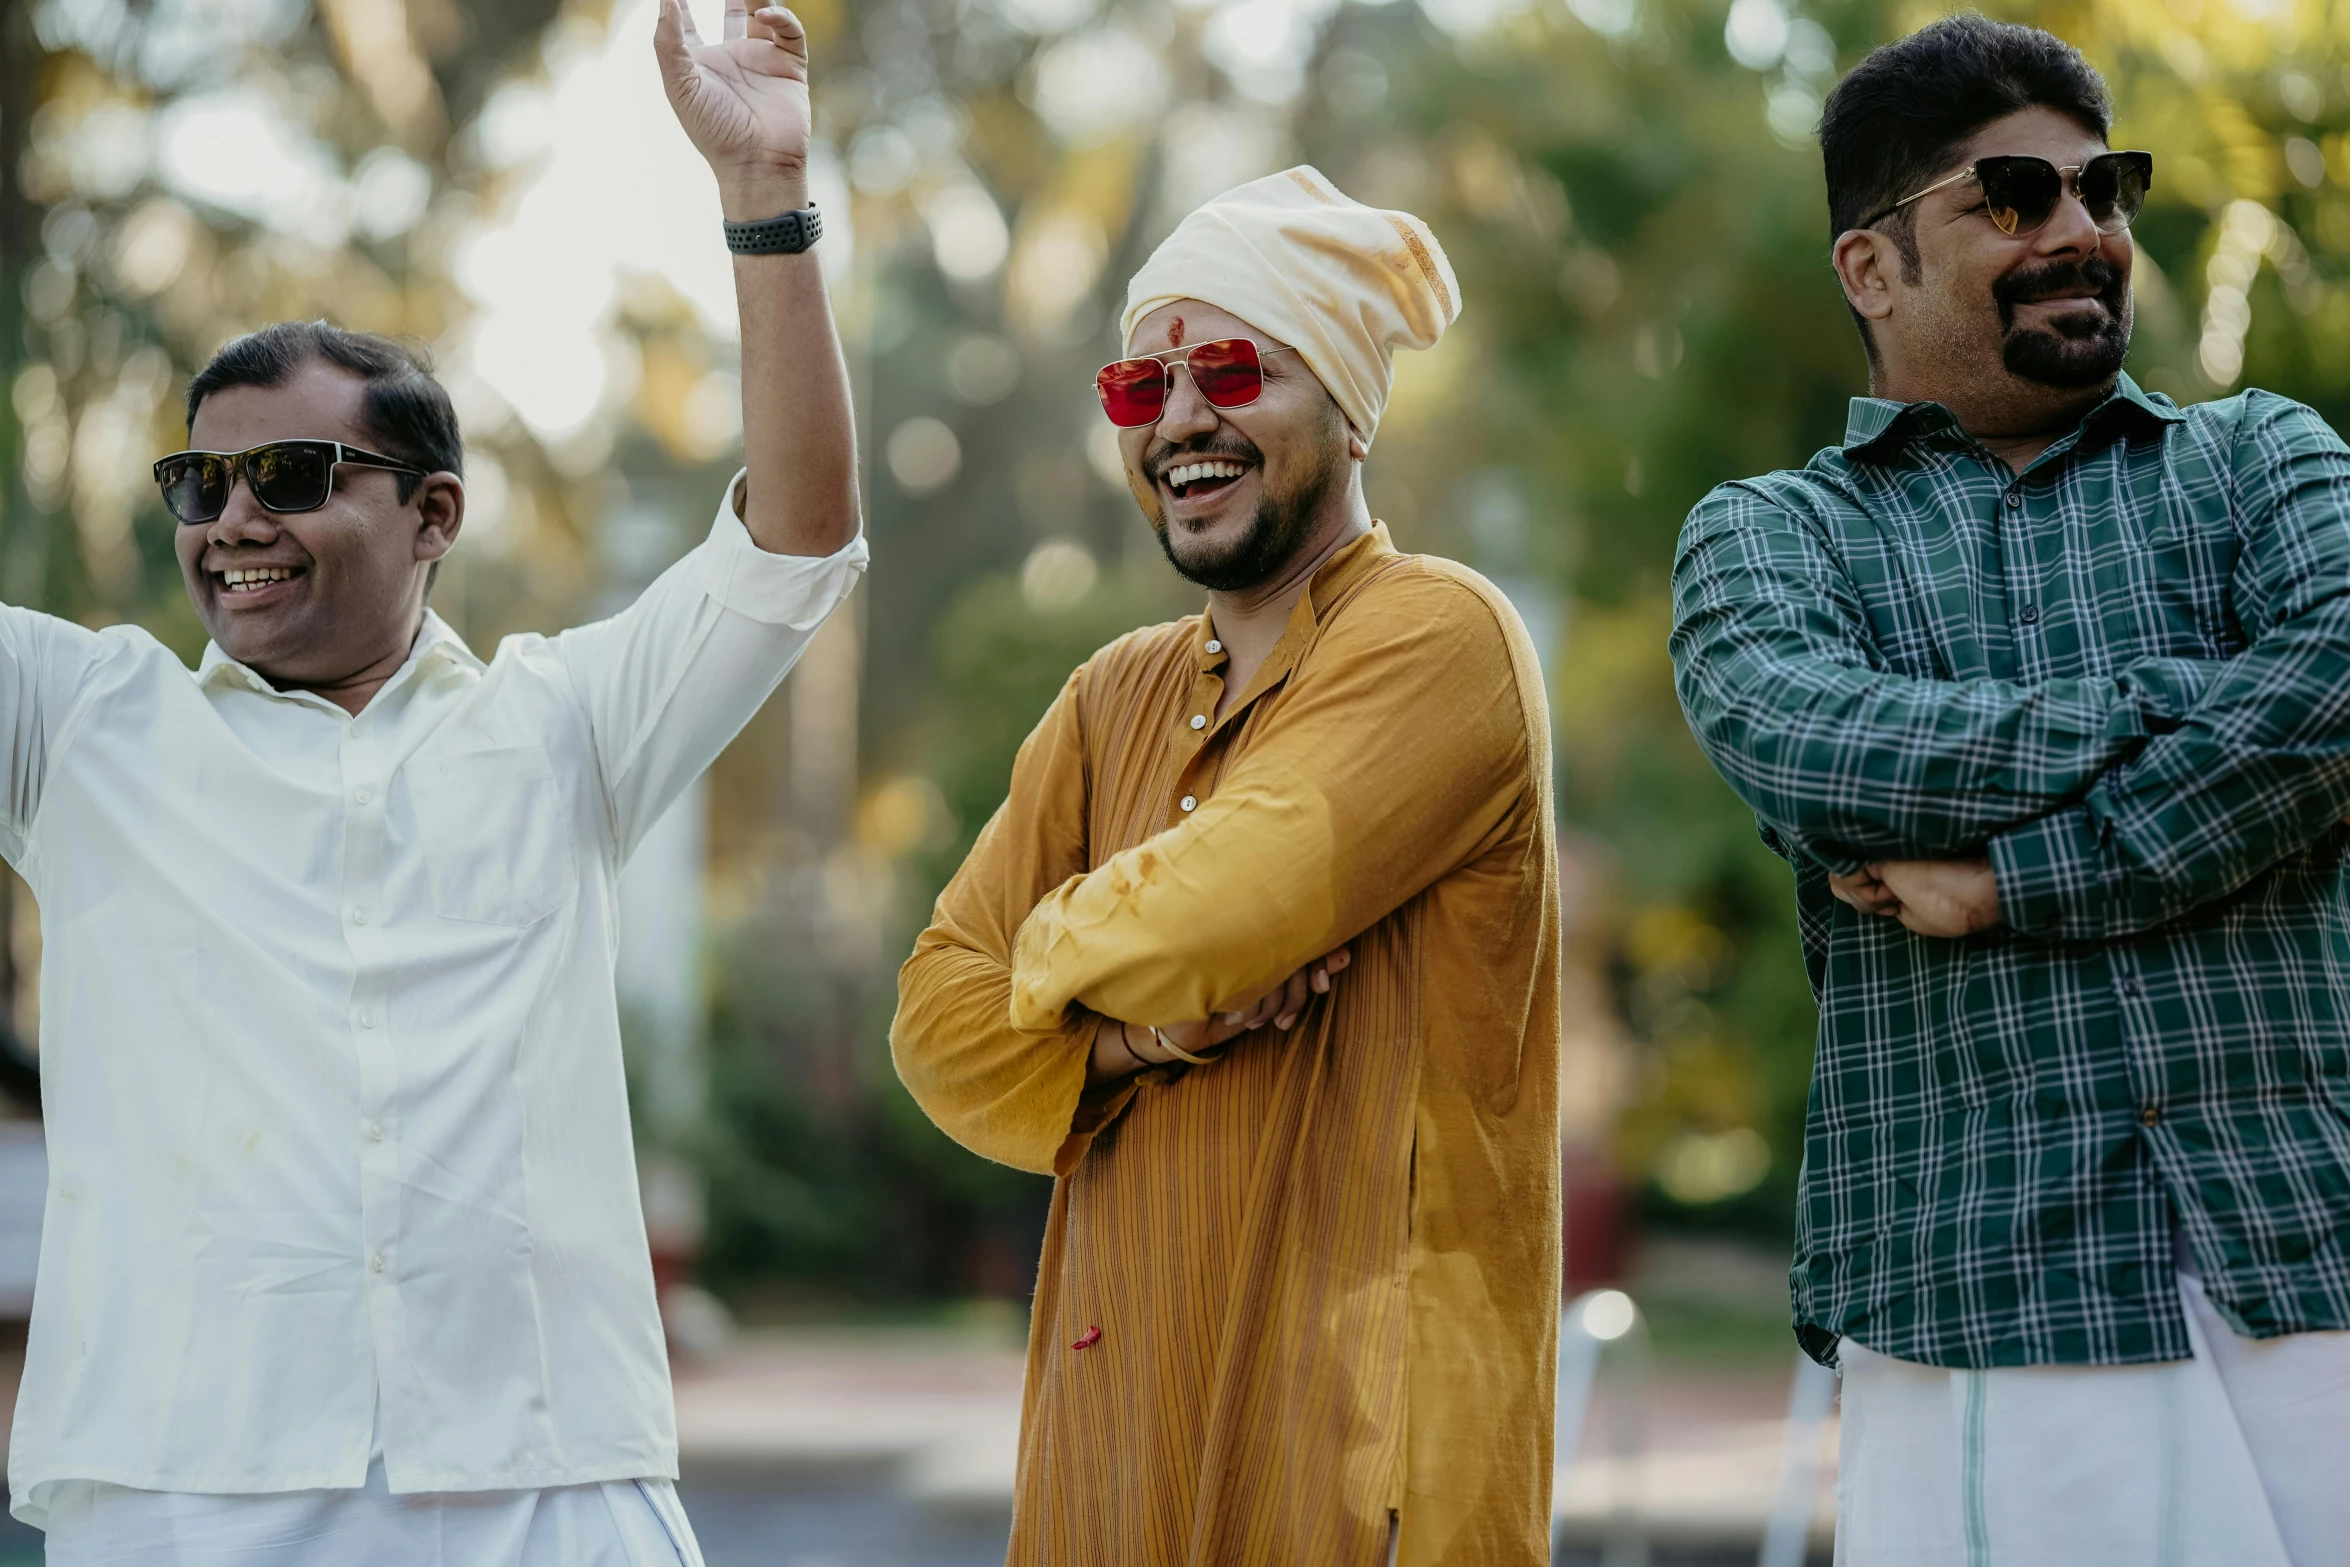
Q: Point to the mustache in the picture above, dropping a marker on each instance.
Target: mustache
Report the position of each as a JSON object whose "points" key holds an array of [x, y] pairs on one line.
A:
{"points": [[2025, 284], [1160, 458]]}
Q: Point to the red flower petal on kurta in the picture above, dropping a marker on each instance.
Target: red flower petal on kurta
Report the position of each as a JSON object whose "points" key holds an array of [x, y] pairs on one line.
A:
{"points": [[1093, 1336]]}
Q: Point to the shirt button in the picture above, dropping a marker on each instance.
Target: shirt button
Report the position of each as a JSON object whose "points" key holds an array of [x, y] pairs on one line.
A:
{"points": [[367, 1020], [1215, 647], [2149, 1116], [2127, 984], [358, 916], [1191, 802], [1199, 720], [375, 1264], [375, 1134], [2015, 498], [363, 796], [2030, 615]]}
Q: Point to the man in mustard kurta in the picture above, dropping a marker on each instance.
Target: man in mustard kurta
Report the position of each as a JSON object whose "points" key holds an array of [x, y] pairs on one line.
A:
{"points": [[1260, 958]]}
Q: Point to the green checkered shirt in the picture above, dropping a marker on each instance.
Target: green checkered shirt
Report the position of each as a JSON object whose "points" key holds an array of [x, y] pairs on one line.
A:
{"points": [[2125, 674]]}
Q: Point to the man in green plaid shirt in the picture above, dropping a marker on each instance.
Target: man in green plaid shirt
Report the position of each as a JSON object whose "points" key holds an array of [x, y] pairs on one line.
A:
{"points": [[2042, 683]]}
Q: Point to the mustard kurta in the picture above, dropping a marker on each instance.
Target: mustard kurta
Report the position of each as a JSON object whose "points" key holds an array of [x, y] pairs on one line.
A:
{"points": [[1324, 1268]]}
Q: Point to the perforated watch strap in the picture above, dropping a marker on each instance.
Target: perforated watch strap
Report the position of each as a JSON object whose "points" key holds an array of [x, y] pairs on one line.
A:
{"points": [[787, 235]]}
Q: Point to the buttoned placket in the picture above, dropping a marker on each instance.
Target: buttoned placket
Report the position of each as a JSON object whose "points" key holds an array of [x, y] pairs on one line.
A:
{"points": [[365, 857], [2022, 571], [2015, 567], [2140, 1037], [1198, 730]]}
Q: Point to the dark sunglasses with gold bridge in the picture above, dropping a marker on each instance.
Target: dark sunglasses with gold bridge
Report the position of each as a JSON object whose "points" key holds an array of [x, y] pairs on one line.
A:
{"points": [[2020, 192]]}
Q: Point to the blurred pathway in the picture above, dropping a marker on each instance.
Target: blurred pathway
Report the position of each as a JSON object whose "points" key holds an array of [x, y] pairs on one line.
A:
{"points": [[934, 1413], [934, 1418], [894, 1447]]}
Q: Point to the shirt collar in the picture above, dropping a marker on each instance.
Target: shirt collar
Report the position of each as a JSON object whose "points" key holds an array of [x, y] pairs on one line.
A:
{"points": [[436, 644], [1878, 428], [1332, 578]]}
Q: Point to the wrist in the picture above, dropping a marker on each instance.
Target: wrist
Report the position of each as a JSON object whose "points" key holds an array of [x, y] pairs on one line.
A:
{"points": [[1986, 899], [750, 192]]}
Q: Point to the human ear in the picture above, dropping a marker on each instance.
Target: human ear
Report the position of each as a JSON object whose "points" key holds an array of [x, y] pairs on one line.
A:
{"points": [[1356, 447], [440, 513], [1865, 262]]}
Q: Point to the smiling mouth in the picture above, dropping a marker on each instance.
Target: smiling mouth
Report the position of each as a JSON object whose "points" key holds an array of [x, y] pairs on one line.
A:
{"points": [[1198, 480], [241, 580]]}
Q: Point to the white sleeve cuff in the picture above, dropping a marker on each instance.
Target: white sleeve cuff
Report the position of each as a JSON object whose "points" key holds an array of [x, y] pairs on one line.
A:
{"points": [[783, 590]]}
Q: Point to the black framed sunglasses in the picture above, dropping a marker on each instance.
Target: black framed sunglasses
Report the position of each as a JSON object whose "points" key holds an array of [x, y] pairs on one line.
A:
{"points": [[2020, 192], [284, 476]]}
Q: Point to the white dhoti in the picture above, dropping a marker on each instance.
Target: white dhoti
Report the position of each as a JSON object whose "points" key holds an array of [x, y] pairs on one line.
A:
{"points": [[2239, 1457], [620, 1523]]}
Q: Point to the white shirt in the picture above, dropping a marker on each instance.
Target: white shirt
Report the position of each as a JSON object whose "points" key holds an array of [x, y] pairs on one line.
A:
{"points": [[330, 1054]]}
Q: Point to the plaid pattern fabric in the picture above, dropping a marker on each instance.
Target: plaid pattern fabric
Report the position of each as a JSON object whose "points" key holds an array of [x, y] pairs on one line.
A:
{"points": [[2125, 675]]}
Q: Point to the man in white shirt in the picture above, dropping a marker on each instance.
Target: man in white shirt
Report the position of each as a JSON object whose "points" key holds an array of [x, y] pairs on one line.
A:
{"points": [[343, 1261]]}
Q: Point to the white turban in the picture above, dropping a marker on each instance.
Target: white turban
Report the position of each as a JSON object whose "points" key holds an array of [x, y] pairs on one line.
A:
{"points": [[1343, 284]]}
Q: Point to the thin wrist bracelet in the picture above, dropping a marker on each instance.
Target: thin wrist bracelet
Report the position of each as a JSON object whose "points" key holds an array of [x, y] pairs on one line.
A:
{"points": [[784, 235], [1174, 1049]]}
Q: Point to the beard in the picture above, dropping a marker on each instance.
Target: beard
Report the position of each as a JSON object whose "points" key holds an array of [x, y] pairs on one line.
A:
{"points": [[1273, 536], [2078, 350]]}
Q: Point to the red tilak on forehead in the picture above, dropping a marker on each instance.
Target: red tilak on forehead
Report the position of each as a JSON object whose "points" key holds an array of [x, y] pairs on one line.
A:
{"points": [[1175, 333]]}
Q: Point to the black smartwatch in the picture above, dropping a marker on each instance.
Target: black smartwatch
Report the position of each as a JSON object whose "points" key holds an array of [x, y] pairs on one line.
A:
{"points": [[787, 235]]}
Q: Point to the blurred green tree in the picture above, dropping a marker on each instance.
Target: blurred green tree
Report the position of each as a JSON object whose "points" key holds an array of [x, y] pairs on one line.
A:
{"points": [[1628, 190]]}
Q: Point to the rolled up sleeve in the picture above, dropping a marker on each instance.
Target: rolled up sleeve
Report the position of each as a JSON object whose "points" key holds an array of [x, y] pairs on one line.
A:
{"points": [[668, 681], [797, 591]]}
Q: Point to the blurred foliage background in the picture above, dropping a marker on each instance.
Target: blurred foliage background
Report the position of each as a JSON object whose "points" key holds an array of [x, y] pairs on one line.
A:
{"points": [[1628, 189]]}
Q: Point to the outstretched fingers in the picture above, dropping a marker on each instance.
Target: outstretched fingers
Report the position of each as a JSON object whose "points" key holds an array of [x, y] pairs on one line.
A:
{"points": [[674, 30], [674, 43], [674, 40], [738, 19]]}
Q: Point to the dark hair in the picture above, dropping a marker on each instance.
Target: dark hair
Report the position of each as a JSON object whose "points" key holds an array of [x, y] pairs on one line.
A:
{"points": [[406, 413], [1894, 124]]}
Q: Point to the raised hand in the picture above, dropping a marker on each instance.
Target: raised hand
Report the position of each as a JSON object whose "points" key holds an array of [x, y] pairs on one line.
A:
{"points": [[743, 101]]}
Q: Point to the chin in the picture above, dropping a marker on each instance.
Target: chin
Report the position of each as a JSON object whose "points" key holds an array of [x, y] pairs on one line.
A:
{"points": [[1234, 554], [2078, 352], [257, 647]]}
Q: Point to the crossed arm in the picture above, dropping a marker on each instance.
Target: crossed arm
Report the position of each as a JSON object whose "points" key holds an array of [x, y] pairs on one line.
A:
{"points": [[1043, 969], [2115, 831]]}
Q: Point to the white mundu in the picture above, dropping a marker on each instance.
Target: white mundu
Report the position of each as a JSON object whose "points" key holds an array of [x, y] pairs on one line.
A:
{"points": [[2234, 1458], [338, 1134]]}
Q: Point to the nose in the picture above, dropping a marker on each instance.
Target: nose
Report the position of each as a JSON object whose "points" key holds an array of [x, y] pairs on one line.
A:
{"points": [[1187, 413], [2069, 229], [243, 520]]}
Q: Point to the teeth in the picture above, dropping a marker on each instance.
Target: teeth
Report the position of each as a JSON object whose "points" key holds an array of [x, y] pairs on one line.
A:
{"points": [[251, 579], [1192, 473]]}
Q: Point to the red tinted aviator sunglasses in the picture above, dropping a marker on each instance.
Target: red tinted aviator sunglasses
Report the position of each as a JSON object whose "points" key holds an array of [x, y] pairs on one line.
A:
{"points": [[1228, 373]]}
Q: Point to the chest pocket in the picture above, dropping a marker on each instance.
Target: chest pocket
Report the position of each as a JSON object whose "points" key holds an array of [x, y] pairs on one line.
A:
{"points": [[497, 840]]}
